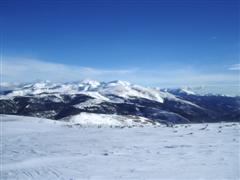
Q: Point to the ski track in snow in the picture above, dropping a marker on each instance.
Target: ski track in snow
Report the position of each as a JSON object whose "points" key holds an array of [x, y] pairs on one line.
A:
{"points": [[45, 149]]}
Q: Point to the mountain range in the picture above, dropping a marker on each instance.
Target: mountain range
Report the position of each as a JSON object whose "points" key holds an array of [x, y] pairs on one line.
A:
{"points": [[62, 101]]}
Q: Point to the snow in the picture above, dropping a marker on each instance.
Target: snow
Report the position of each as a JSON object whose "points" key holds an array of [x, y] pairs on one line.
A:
{"points": [[34, 148], [96, 95], [183, 90], [99, 90], [88, 103], [92, 119], [126, 90], [89, 87], [91, 83], [188, 91]]}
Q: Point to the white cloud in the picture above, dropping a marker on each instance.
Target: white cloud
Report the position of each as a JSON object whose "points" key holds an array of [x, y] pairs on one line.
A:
{"points": [[24, 70], [187, 77], [21, 69], [235, 67]]}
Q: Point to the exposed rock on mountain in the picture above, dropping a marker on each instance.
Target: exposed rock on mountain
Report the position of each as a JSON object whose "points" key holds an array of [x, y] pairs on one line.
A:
{"points": [[59, 101]]}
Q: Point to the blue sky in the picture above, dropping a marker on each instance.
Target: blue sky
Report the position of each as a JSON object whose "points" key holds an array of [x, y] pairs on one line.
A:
{"points": [[155, 42]]}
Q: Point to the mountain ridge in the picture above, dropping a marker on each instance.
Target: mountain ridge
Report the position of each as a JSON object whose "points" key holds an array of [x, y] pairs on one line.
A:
{"points": [[61, 100]]}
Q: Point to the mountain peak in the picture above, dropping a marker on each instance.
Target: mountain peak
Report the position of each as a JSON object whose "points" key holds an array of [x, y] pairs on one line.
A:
{"points": [[184, 90], [59, 100], [187, 90], [119, 82], [91, 83]]}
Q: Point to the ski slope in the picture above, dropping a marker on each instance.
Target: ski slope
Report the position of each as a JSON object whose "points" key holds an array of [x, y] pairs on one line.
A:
{"points": [[34, 148]]}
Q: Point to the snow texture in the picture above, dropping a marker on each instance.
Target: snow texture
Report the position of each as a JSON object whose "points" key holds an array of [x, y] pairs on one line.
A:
{"points": [[92, 88], [92, 119], [34, 148]]}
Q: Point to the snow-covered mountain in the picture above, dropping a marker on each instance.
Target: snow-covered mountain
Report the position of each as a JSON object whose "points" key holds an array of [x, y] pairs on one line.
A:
{"points": [[64, 100], [90, 87], [185, 90]]}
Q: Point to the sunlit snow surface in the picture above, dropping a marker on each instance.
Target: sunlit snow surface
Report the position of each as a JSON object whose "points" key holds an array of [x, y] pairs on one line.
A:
{"points": [[35, 148]]}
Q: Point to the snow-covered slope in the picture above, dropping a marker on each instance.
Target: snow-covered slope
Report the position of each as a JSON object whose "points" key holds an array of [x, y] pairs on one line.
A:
{"points": [[37, 149], [127, 90], [93, 119], [98, 90], [184, 90], [61, 100], [118, 88]]}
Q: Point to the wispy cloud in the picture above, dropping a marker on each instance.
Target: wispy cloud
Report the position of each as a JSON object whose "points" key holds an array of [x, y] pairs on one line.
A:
{"points": [[24, 70], [187, 77], [21, 69], [235, 67]]}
